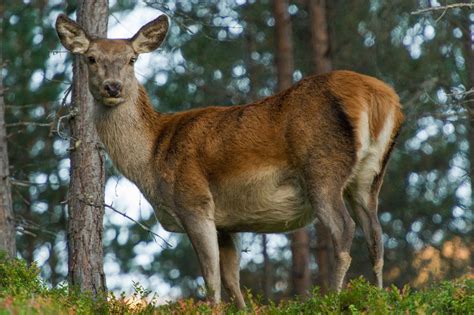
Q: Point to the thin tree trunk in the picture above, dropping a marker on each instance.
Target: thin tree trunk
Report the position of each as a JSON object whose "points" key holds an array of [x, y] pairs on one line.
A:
{"points": [[267, 272], [324, 251], [324, 254], [284, 44], [319, 36], [86, 191], [301, 274], [469, 56], [7, 223]]}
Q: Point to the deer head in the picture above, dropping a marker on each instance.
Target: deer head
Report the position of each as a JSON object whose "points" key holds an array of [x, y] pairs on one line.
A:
{"points": [[110, 62]]}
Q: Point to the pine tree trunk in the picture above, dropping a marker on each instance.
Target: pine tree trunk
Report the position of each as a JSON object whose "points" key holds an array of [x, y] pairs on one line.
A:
{"points": [[86, 191], [7, 223], [267, 272], [284, 44], [320, 36], [320, 43], [301, 274], [469, 56]]}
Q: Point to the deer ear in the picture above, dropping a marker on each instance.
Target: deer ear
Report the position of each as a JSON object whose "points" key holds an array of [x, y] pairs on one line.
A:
{"points": [[71, 35], [150, 36]]}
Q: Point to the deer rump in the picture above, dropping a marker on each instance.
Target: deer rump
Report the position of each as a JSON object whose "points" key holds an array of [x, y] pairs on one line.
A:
{"points": [[256, 158]]}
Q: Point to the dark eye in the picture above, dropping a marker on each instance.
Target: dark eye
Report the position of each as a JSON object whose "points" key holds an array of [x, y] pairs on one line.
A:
{"points": [[91, 60], [132, 60]]}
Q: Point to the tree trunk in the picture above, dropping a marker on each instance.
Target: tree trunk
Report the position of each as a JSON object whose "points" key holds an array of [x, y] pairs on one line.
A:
{"points": [[469, 56], [7, 223], [301, 274], [319, 36], [267, 272], [284, 44], [321, 57], [86, 191]]}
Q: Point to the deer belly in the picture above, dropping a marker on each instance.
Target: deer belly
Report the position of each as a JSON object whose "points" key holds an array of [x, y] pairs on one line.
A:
{"points": [[265, 201]]}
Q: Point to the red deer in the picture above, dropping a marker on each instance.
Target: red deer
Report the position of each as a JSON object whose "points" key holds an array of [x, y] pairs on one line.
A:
{"points": [[275, 165]]}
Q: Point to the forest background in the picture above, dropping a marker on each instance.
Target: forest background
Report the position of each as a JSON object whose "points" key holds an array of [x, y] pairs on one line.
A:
{"points": [[230, 52]]}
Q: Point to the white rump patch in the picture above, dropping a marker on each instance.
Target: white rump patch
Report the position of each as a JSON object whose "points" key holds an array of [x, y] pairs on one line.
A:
{"points": [[370, 156]]}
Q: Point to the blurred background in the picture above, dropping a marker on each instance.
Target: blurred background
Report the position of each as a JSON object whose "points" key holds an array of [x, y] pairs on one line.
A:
{"points": [[224, 53]]}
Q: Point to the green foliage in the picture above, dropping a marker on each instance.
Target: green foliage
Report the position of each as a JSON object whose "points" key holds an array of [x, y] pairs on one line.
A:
{"points": [[22, 291], [17, 278]]}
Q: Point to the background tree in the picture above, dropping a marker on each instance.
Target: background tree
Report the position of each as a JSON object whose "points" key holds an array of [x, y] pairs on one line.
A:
{"points": [[300, 273], [321, 60], [86, 192], [7, 223]]}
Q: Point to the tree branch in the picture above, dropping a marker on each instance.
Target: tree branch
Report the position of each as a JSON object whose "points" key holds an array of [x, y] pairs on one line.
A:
{"points": [[28, 123], [444, 8], [142, 225]]}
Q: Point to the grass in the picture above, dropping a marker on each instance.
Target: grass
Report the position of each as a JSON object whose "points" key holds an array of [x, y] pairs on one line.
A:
{"points": [[23, 292]]}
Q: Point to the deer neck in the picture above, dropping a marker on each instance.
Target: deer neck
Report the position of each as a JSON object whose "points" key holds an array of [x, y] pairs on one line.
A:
{"points": [[127, 132]]}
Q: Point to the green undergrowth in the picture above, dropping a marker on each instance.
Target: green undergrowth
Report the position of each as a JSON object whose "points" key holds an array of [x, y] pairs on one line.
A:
{"points": [[23, 292]]}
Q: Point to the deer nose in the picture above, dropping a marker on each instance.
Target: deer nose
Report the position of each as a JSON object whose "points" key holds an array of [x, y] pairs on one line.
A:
{"points": [[113, 88]]}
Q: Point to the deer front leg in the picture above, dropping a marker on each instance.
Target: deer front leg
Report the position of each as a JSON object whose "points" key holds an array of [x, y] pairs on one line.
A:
{"points": [[203, 236]]}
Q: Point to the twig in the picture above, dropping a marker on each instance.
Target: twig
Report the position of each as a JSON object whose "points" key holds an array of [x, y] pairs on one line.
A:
{"points": [[444, 8], [28, 123], [24, 183], [72, 113], [142, 225], [175, 13], [27, 226]]}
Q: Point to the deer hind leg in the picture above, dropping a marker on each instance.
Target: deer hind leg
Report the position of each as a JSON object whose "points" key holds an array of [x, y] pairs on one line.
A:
{"points": [[328, 203], [229, 254], [363, 200]]}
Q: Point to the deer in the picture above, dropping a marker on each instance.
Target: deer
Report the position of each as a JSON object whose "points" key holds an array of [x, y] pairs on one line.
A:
{"points": [[311, 152]]}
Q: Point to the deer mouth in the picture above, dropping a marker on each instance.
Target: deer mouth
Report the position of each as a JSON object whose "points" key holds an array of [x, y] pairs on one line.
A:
{"points": [[112, 101]]}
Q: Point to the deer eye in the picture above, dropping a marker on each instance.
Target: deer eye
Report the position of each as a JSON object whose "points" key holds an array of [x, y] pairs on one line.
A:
{"points": [[91, 60], [132, 60]]}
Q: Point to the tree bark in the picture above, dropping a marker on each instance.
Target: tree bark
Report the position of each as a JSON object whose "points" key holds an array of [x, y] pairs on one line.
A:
{"points": [[86, 191], [469, 57], [284, 44], [301, 274], [321, 57], [319, 36], [7, 223], [267, 272]]}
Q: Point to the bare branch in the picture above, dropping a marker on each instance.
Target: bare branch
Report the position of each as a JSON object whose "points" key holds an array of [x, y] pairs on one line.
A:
{"points": [[142, 225], [24, 183], [444, 8], [28, 123], [28, 227]]}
